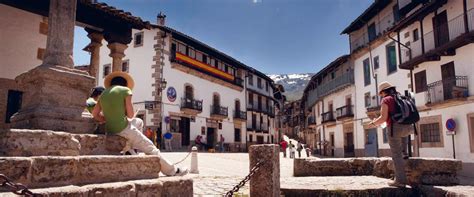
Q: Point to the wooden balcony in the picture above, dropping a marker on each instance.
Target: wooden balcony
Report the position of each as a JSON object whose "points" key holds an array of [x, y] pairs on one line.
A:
{"points": [[328, 117], [344, 112], [219, 112], [447, 90], [191, 105]]}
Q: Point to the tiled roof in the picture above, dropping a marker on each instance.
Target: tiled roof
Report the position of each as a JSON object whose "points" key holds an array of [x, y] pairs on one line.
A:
{"points": [[137, 22]]}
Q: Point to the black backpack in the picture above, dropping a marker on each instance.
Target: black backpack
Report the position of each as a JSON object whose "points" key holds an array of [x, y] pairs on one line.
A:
{"points": [[406, 112]]}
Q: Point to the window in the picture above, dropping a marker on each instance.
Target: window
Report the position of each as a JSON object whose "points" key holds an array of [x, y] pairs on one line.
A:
{"points": [[40, 53], [430, 132], [391, 58], [216, 63], [366, 72], [372, 32], [204, 58], [13, 104], [226, 68], [182, 48], [237, 137], [367, 100], [396, 13], [250, 138], [216, 100], [250, 79], [138, 39], [420, 82], [251, 99], [106, 70], [376, 62], [198, 56], [259, 83], [188, 92], [416, 36], [333, 75], [191, 52], [125, 66]]}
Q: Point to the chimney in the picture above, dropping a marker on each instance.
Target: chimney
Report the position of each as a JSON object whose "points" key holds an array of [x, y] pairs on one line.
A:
{"points": [[161, 19]]}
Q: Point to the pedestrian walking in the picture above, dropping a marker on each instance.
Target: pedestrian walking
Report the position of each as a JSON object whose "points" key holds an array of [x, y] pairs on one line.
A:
{"points": [[292, 150], [221, 143], [299, 149], [115, 109], [284, 145], [168, 137], [397, 132]]}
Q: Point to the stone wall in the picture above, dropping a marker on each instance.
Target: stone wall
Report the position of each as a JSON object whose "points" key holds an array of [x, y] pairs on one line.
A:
{"points": [[429, 171]]}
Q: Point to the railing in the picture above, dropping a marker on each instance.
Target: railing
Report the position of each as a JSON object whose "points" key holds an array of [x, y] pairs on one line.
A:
{"points": [[187, 103], [327, 117], [345, 111], [240, 115], [373, 105], [218, 110], [311, 120], [447, 89], [381, 26], [239, 81], [329, 87]]}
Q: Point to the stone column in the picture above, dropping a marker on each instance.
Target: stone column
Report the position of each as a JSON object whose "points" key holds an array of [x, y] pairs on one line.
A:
{"points": [[54, 92], [94, 49], [266, 181], [117, 53]]}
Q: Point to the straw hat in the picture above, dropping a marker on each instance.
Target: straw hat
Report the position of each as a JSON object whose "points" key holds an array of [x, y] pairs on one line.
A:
{"points": [[126, 76], [385, 85]]}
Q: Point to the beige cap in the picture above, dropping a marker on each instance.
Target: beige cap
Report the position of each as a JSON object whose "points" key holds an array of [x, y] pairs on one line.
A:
{"points": [[385, 85]]}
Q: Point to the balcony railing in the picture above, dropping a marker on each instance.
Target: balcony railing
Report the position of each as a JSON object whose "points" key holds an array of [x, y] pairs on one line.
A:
{"points": [[344, 112], [239, 81], [456, 28], [380, 28], [188, 103], [311, 120], [218, 110], [447, 89], [327, 117], [240, 115], [329, 87]]}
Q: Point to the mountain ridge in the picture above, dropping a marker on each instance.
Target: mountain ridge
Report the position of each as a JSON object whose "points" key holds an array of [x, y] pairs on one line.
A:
{"points": [[294, 84]]}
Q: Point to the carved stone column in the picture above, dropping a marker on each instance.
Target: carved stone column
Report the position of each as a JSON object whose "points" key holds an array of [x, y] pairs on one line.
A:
{"points": [[55, 93], [94, 49], [117, 53]]}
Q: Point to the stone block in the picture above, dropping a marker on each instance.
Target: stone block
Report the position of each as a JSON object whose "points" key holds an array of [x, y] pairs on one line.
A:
{"points": [[177, 186], [16, 168], [53, 171], [100, 144], [266, 180], [111, 189]]}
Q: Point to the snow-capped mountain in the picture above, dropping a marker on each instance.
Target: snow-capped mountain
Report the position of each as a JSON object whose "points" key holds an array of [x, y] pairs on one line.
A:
{"points": [[294, 84]]}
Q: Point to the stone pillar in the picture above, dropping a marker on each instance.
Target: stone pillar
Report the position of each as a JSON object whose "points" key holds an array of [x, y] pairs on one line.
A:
{"points": [[117, 53], [194, 161], [266, 181], [94, 49], [54, 92]]}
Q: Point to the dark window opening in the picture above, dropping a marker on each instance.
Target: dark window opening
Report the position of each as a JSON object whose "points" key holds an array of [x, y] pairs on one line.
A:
{"points": [[366, 72], [420, 82], [13, 103]]}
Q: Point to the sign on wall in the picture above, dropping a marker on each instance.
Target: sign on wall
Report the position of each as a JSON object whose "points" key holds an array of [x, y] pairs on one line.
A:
{"points": [[171, 94], [451, 127]]}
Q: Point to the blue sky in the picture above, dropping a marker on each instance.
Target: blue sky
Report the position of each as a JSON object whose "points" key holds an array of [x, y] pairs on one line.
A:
{"points": [[273, 36]]}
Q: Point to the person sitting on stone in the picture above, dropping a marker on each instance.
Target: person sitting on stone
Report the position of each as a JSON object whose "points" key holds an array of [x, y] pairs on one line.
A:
{"points": [[90, 104], [119, 118]]}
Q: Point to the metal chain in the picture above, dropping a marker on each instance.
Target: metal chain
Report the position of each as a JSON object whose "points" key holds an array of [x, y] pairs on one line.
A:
{"points": [[16, 188], [246, 179], [181, 161]]}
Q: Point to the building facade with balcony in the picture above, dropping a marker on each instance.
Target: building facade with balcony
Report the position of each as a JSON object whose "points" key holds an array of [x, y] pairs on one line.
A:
{"points": [[329, 109], [189, 88], [439, 42]]}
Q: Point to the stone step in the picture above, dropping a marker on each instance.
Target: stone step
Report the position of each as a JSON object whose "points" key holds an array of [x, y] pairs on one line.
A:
{"points": [[163, 186], [24, 142], [341, 186], [53, 171], [427, 171]]}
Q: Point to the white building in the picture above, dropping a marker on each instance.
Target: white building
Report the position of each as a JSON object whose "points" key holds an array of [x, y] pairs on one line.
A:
{"points": [[189, 88]]}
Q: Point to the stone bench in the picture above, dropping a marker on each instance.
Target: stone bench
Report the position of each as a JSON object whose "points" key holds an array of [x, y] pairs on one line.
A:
{"points": [[53, 171], [428, 171], [23, 142]]}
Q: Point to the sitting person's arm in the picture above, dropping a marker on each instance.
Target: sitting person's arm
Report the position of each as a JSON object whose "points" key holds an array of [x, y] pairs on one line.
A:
{"points": [[96, 113]]}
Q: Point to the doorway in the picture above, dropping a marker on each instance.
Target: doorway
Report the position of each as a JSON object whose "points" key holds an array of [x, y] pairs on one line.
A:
{"points": [[185, 129], [349, 148], [371, 145], [259, 139], [331, 142], [441, 29], [449, 79], [210, 137]]}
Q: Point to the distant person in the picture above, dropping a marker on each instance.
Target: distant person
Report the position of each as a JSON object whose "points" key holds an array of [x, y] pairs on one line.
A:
{"points": [[397, 133], [284, 146], [198, 141], [149, 134], [168, 137], [308, 151], [221, 143], [115, 109], [299, 149], [292, 150]]}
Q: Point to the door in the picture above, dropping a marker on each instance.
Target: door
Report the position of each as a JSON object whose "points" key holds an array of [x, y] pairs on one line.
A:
{"points": [[441, 31], [13, 103], [259, 139], [449, 79], [331, 141], [349, 149], [211, 137], [371, 145], [185, 126], [372, 32]]}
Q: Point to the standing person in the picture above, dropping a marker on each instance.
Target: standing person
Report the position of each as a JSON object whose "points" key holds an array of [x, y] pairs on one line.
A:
{"points": [[119, 118], [292, 150], [284, 145], [396, 132], [90, 104], [308, 151], [221, 143], [149, 134], [168, 137], [299, 149]]}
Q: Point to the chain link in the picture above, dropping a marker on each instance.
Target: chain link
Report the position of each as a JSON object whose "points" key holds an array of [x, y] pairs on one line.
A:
{"points": [[246, 179], [181, 161], [16, 188]]}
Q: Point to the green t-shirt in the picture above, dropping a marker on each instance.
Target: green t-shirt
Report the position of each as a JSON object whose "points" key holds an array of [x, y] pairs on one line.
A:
{"points": [[112, 102], [90, 103]]}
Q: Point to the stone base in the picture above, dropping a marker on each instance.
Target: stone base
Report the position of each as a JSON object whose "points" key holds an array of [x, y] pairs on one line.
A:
{"points": [[54, 99], [429, 171]]}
